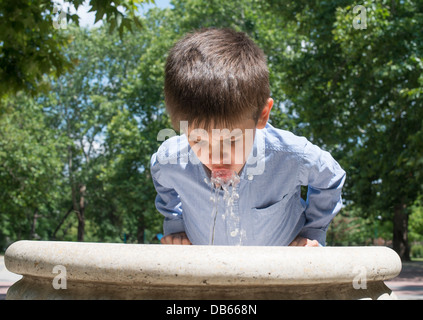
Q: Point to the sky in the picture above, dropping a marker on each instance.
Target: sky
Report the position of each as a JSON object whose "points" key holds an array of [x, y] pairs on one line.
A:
{"points": [[86, 19]]}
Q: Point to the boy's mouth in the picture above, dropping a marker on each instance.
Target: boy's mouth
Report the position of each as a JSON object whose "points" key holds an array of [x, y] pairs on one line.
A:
{"points": [[222, 174], [221, 167]]}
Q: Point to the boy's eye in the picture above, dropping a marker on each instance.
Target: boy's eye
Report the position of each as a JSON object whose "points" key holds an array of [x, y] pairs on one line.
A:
{"points": [[231, 141], [196, 140], [201, 142]]}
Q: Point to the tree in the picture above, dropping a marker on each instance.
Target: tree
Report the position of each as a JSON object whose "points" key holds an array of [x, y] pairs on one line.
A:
{"points": [[359, 94], [31, 40], [108, 109], [105, 117], [131, 136], [30, 171], [416, 220], [355, 92], [81, 106]]}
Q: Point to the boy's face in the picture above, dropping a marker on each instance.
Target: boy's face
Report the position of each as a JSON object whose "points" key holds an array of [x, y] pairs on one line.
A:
{"points": [[227, 148]]}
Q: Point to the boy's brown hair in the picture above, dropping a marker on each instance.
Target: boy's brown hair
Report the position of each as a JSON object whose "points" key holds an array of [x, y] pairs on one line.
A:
{"points": [[215, 77]]}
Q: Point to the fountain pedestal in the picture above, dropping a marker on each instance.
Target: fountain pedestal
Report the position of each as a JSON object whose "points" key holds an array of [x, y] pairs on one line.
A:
{"points": [[74, 270]]}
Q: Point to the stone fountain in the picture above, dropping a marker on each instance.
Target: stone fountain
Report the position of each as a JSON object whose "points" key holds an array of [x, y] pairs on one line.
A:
{"points": [[75, 270]]}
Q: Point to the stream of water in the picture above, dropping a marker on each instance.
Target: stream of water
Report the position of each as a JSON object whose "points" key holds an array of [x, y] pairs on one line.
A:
{"points": [[226, 180]]}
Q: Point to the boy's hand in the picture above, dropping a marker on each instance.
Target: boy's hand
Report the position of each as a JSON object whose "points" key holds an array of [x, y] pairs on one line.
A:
{"points": [[176, 238], [303, 242]]}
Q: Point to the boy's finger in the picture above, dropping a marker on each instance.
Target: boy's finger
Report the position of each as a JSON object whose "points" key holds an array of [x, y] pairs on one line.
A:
{"points": [[293, 243], [298, 242], [165, 240], [186, 241], [177, 239], [312, 243], [302, 242]]}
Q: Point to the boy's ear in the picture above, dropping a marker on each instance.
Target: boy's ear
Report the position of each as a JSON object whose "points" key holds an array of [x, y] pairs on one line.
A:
{"points": [[264, 116]]}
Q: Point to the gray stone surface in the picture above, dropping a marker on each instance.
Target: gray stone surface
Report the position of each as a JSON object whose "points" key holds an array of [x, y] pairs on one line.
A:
{"points": [[130, 271], [7, 278]]}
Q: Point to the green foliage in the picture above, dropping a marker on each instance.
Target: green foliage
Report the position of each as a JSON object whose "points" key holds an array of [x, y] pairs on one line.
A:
{"points": [[114, 17], [385, 70], [97, 131], [112, 129], [352, 227], [357, 93], [417, 251], [30, 169], [416, 220], [31, 46]]}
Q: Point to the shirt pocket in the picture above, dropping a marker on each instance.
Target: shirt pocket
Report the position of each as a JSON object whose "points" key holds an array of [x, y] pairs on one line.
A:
{"points": [[269, 222]]}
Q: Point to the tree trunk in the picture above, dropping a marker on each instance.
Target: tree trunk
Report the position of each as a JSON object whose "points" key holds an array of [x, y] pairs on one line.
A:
{"points": [[80, 213], [400, 233], [79, 209], [35, 216], [140, 229], [53, 237]]}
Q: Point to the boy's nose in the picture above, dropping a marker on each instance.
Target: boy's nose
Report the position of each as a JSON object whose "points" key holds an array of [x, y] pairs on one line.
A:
{"points": [[219, 154]]}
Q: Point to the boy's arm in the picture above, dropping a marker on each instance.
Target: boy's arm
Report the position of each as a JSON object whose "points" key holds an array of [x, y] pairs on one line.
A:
{"points": [[169, 205], [325, 179], [167, 202]]}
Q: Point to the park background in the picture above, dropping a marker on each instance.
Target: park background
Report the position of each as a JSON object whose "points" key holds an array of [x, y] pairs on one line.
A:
{"points": [[81, 104]]}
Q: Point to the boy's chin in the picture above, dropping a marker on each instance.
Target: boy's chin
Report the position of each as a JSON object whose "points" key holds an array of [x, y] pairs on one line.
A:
{"points": [[236, 168]]}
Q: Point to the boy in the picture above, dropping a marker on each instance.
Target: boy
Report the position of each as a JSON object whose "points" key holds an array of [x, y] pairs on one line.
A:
{"points": [[217, 93]]}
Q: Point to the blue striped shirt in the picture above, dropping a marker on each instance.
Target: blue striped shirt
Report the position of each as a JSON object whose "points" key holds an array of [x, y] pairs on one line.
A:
{"points": [[270, 209]]}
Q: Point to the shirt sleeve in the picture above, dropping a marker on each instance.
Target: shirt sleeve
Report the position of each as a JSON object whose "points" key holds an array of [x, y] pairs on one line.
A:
{"points": [[325, 179], [167, 202]]}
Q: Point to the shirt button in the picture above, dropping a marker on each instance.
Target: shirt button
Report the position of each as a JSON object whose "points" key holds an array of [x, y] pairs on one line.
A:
{"points": [[250, 177], [234, 233]]}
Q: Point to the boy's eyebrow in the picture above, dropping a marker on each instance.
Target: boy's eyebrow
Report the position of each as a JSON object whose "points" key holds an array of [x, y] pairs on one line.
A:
{"points": [[233, 135], [238, 134], [234, 138]]}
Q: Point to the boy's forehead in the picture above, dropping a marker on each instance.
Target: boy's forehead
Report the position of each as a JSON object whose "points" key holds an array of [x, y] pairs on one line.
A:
{"points": [[221, 133], [237, 128]]}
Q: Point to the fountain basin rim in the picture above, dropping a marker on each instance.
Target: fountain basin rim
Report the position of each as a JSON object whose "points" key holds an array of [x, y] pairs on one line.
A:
{"points": [[201, 265]]}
